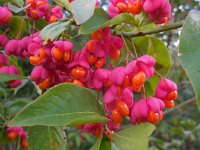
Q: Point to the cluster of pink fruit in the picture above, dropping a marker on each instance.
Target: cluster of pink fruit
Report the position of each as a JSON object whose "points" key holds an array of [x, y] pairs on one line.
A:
{"points": [[55, 62], [5, 15], [5, 68], [119, 101], [158, 11], [13, 133], [38, 9]]}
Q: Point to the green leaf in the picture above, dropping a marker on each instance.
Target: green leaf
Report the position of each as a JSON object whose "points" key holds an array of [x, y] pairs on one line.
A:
{"points": [[80, 41], [17, 26], [105, 143], [53, 30], [97, 145], [64, 104], [189, 49], [134, 138], [63, 3], [101, 19], [157, 49], [40, 24], [1, 110], [3, 93], [46, 138], [16, 9], [3, 139], [10, 77], [12, 106], [20, 3], [17, 89], [82, 10], [102, 143]]}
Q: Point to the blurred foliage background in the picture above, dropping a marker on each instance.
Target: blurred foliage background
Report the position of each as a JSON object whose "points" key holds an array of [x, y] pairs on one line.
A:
{"points": [[180, 129]]}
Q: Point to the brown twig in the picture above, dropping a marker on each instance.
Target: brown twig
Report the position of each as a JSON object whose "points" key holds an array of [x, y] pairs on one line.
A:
{"points": [[127, 49], [158, 74], [180, 105], [143, 94], [134, 47], [2, 118], [6, 31], [20, 30], [157, 30], [185, 82]]}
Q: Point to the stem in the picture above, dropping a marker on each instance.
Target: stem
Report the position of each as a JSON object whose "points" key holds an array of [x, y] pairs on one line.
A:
{"points": [[134, 48], [1, 117], [98, 96], [34, 26], [28, 25], [127, 49], [6, 31], [10, 146], [126, 60], [185, 82], [143, 94], [20, 30], [72, 21], [157, 30], [180, 105], [158, 74], [111, 132], [18, 144]]}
